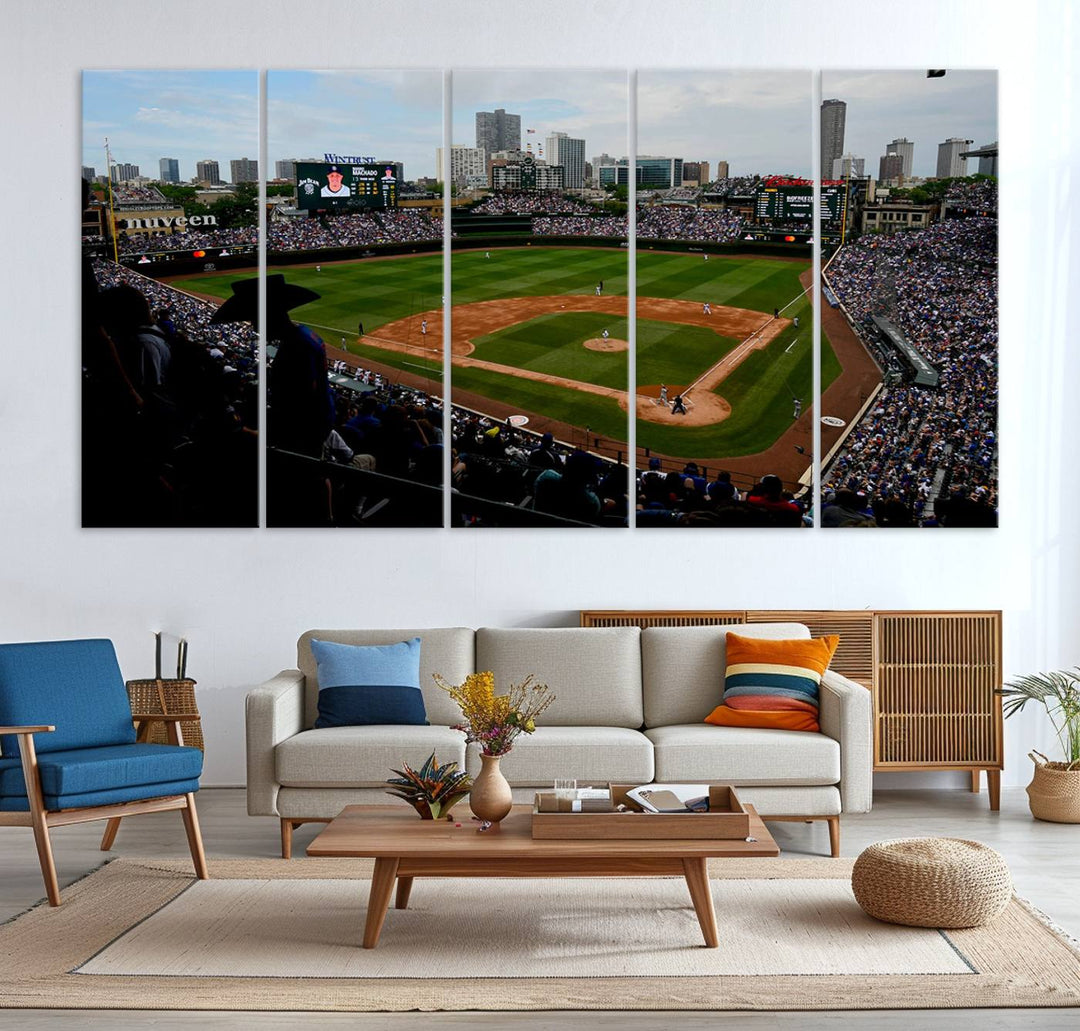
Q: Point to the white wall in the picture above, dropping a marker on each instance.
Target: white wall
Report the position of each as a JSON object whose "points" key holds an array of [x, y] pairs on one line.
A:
{"points": [[243, 597]]}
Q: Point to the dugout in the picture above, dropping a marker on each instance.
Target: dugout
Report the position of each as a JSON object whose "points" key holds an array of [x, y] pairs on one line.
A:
{"points": [[923, 373]]}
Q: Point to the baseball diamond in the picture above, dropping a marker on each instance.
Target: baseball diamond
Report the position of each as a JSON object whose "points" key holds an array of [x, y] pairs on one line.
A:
{"points": [[537, 348]]}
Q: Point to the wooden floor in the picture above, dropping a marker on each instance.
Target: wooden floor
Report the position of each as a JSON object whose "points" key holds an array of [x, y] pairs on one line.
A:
{"points": [[1042, 856]]}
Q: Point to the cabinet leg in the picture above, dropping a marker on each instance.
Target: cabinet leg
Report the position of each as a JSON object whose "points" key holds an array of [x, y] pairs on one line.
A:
{"points": [[975, 782], [993, 787]]}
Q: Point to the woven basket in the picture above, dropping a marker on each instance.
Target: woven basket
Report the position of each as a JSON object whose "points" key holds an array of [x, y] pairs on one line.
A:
{"points": [[166, 698], [932, 882], [1054, 791]]}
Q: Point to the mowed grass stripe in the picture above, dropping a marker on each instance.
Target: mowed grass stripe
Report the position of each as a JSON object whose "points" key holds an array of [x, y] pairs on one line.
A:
{"points": [[555, 344]]}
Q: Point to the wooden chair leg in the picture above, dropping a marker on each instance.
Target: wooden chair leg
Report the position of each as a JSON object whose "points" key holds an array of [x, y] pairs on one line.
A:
{"points": [[286, 838], [834, 836], [191, 825], [109, 836], [28, 755]]}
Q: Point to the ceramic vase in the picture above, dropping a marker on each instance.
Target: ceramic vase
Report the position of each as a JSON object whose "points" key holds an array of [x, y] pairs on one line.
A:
{"points": [[490, 798]]}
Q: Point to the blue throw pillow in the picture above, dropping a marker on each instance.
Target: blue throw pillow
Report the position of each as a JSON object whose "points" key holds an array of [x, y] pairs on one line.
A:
{"points": [[361, 685]]}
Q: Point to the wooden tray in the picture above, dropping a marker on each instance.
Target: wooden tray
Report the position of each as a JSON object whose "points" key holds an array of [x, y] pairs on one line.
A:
{"points": [[726, 819]]}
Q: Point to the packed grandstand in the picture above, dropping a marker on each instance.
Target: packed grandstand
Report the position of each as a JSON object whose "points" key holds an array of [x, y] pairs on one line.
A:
{"points": [[923, 456]]}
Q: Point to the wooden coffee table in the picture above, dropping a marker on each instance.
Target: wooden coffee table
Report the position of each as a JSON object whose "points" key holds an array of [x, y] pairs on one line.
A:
{"points": [[404, 846]]}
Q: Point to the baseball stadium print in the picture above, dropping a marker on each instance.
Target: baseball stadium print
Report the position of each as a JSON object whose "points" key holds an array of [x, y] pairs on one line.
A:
{"points": [[539, 299], [170, 415], [724, 342], [910, 298]]}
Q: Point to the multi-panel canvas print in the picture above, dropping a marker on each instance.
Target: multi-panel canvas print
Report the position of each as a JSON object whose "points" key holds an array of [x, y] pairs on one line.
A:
{"points": [[725, 220], [539, 298], [170, 415], [449, 338], [910, 298], [354, 299]]}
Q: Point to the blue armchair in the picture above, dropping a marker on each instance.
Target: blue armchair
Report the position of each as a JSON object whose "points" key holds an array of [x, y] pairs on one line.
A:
{"points": [[68, 749]]}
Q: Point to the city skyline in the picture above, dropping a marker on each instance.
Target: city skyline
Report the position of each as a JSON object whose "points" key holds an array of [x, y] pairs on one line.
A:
{"points": [[885, 105], [757, 121], [150, 114], [587, 104]]}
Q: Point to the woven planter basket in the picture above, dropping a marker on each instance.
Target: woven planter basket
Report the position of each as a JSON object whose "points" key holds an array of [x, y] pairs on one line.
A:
{"points": [[1054, 791], [932, 882], [167, 698]]}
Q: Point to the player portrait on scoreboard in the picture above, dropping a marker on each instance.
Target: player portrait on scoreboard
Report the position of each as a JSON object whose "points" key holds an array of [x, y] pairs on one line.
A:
{"points": [[335, 184]]}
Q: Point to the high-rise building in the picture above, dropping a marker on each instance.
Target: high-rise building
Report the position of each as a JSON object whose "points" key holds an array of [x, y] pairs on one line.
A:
{"points": [[570, 153], [123, 172], [905, 148], [169, 170], [496, 130], [285, 168], [890, 166], [602, 159], [244, 170], [695, 173], [653, 173], [949, 161], [208, 172], [88, 173], [833, 119], [465, 162], [848, 166], [723, 170], [987, 164]]}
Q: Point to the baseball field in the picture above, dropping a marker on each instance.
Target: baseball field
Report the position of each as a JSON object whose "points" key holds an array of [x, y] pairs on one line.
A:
{"points": [[531, 334]]}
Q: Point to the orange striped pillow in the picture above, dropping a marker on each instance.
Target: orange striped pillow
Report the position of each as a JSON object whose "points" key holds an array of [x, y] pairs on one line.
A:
{"points": [[773, 684]]}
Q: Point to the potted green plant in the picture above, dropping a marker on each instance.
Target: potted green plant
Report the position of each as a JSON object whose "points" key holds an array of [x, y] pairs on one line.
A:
{"points": [[1054, 792], [432, 790]]}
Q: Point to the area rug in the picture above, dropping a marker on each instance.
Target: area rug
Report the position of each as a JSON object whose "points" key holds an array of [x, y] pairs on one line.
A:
{"points": [[268, 934]]}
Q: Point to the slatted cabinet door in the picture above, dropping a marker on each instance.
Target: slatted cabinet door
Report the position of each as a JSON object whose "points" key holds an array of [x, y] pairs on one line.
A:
{"points": [[854, 656], [935, 704]]}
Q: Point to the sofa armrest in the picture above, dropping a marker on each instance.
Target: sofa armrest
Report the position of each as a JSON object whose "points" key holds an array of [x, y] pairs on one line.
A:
{"points": [[846, 716], [273, 712]]}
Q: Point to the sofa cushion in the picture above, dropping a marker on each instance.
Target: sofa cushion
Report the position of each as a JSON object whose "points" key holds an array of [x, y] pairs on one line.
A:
{"points": [[594, 673], [75, 686], [743, 755], [365, 684], [449, 651], [683, 667], [362, 756], [585, 754], [773, 684]]}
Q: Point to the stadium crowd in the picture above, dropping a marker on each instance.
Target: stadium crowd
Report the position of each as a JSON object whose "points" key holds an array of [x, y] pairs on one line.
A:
{"points": [[188, 240], [579, 225], [980, 194], [732, 186], [514, 202], [679, 223], [129, 193], [916, 444], [687, 498], [170, 407]]}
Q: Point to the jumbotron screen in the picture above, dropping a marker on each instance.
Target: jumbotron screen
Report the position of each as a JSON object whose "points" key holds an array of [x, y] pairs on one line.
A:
{"points": [[347, 186]]}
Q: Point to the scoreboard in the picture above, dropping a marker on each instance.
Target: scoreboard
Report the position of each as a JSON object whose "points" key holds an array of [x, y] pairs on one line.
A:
{"points": [[796, 203], [345, 186], [785, 203]]}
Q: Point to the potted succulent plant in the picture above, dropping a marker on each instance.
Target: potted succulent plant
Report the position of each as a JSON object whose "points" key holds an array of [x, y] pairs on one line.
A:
{"points": [[1054, 792], [433, 790]]}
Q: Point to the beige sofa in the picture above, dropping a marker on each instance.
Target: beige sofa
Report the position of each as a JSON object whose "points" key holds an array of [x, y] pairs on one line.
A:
{"points": [[629, 707]]}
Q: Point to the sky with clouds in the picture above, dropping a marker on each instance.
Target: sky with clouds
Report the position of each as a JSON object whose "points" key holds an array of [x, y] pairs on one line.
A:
{"points": [[882, 106], [757, 121], [155, 113]]}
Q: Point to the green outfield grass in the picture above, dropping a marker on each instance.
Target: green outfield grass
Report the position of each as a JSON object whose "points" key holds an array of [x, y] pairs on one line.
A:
{"points": [[760, 390]]}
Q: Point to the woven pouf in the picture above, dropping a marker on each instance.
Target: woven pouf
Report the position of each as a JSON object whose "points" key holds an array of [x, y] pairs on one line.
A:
{"points": [[932, 882]]}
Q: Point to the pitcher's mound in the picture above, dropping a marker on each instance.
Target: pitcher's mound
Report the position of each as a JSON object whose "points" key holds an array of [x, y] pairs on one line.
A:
{"points": [[611, 344]]}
